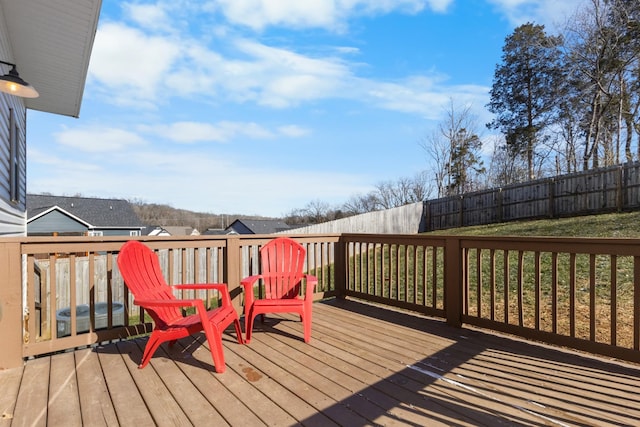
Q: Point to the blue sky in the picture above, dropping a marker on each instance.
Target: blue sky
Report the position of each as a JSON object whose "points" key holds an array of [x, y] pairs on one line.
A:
{"points": [[259, 107]]}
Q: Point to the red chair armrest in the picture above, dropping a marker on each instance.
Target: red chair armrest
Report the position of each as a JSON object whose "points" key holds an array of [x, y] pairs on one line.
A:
{"points": [[310, 287], [220, 287], [166, 303], [248, 284], [250, 281], [201, 286]]}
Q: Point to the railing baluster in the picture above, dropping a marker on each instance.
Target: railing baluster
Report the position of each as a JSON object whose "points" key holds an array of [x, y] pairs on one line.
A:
{"points": [[520, 287], [613, 324], [53, 306], [592, 297], [434, 278], [72, 293], [479, 281], [572, 294], [110, 289], [30, 333], [537, 308], [507, 284], [492, 282], [636, 303], [554, 292]]}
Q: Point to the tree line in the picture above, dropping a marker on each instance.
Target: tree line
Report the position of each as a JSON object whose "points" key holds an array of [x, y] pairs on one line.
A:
{"points": [[571, 101]]}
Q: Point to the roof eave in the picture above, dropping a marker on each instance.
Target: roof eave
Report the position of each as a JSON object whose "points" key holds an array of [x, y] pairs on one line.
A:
{"points": [[51, 41]]}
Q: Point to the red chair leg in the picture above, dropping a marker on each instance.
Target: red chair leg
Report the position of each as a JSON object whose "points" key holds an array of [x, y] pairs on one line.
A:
{"points": [[248, 326], [238, 331], [151, 347], [214, 338], [307, 328]]}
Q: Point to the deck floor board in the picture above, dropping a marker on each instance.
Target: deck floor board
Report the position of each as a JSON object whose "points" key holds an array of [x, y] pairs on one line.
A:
{"points": [[64, 400], [10, 380], [95, 401], [365, 365]]}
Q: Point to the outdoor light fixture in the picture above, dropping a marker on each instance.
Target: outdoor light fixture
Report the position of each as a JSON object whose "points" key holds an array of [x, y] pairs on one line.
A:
{"points": [[12, 83]]}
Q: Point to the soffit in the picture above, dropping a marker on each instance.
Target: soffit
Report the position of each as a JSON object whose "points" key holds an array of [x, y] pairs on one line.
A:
{"points": [[51, 41]]}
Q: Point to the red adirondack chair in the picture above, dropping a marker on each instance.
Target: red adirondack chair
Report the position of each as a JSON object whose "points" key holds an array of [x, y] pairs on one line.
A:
{"points": [[282, 263], [141, 271]]}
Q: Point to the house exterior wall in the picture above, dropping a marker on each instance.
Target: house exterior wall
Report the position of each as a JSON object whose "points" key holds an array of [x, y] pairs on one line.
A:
{"points": [[55, 221], [13, 119], [118, 231]]}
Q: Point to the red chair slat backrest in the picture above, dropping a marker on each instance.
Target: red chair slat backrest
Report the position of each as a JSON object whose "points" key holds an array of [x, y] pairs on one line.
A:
{"points": [[142, 274], [282, 262]]}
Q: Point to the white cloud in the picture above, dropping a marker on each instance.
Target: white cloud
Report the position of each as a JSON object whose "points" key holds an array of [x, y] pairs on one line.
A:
{"points": [[52, 161], [131, 62], [281, 78], [551, 13], [423, 95], [174, 176], [150, 16], [153, 69], [293, 131], [98, 139], [328, 14], [202, 132]]}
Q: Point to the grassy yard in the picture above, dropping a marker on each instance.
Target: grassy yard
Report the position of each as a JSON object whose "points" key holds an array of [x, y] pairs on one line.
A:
{"points": [[606, 225], [618, 225]]}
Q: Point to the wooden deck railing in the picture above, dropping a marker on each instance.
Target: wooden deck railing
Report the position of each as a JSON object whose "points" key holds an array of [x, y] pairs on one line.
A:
{"points": [[575, 292], [581, 293], [60, 273]]}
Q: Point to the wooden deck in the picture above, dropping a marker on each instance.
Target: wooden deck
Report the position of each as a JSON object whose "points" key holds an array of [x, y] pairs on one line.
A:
{"points": [[365, 365]]}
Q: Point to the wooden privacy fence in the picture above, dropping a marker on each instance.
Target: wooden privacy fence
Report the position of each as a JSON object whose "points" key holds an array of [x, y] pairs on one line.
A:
{"points": [[611, 189], [577, 292]]}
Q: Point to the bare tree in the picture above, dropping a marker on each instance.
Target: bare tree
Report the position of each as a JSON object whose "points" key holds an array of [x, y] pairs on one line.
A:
{"points": [[438, 150], [361, 203], [455, 151], [602, 57], [506, 167]]}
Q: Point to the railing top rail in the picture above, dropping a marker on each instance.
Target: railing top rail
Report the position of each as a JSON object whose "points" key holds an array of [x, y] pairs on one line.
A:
{"points": [[44, 244]]}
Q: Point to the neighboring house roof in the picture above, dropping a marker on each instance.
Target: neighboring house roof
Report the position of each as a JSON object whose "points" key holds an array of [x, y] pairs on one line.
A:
{"points": [[257, 226], [51, 42], [155, 231], [214, 232], [173, 230], [93, 212]]}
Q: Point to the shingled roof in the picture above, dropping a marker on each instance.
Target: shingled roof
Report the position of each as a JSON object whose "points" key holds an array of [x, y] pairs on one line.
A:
{"points": [[257, 226], [94, 212]]}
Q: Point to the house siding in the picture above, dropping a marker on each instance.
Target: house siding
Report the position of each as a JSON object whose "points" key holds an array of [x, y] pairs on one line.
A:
{"points": [[12, 212], [118, 232], [56, 221]]}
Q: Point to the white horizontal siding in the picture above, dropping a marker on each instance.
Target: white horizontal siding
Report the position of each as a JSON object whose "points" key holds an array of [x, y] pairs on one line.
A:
{"points": [[13, 222], [12, 215]]}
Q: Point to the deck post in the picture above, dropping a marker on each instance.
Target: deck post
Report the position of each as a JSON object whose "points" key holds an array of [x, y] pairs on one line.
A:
{"points": [[340, 259], [11, 305], [233, 272], [453, 281]]}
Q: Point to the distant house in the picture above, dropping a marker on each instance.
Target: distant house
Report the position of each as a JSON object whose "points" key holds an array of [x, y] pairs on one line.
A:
{"points": [[50, 43], [172, 230], [214, 232], [80, 216], [256, 226]]}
